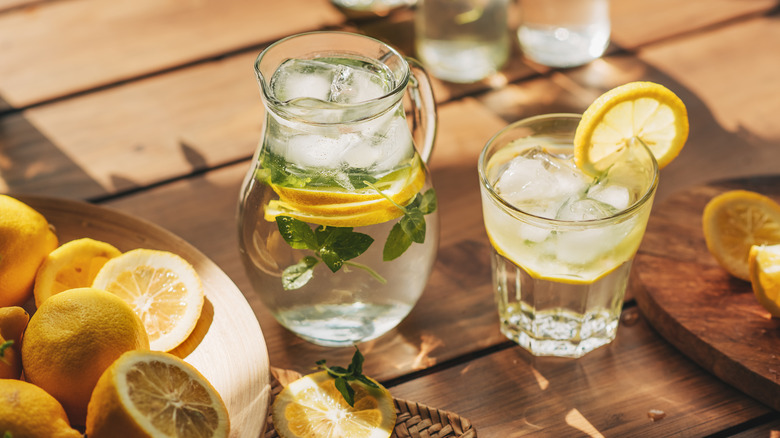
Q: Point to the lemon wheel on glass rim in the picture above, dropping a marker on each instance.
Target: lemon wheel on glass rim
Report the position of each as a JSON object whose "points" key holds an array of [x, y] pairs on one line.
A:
{"points": [[643, 112]]}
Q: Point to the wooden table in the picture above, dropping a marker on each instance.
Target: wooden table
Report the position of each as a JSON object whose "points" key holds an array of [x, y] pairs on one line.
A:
{"points": [[150, 107]]}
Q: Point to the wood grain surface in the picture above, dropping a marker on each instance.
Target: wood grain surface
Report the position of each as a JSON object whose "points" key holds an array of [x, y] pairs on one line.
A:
{"points": [[710, 316]]}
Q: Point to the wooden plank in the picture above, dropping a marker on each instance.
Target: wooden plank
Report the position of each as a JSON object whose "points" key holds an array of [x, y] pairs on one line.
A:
{"points": [[637, 23], [154, 129], [608, 392], [60, 48]]}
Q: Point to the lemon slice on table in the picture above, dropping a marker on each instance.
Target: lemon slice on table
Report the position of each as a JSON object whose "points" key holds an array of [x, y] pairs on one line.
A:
{"points": [[736, 220], [162, 288], [339, 208], [764, 263], [148, 393], [74, 264], [638, 111], [312, 407]]}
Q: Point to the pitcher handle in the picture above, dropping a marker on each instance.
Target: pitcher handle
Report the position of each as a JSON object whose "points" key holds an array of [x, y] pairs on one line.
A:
{"points": [[424, 117]]}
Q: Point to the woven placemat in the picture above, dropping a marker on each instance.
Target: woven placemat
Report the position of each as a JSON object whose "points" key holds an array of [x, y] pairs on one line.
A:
{"points": [[413, 420]]}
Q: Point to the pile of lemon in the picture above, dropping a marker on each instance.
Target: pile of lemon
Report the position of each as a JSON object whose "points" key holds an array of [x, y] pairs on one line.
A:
{"points": [[95, 353]]}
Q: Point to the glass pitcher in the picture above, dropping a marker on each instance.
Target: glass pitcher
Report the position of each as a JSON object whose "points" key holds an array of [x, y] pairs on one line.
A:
{"points": [[338, 225]]}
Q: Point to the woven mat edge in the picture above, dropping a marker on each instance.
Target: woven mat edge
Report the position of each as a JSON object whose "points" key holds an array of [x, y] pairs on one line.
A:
{"points": [[414, 420]]}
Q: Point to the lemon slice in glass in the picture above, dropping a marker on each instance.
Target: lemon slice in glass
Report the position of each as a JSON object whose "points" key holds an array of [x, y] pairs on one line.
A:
{"points": [[736, 220], [162, 288], [764, 262], [312, 407], [643, 112]]}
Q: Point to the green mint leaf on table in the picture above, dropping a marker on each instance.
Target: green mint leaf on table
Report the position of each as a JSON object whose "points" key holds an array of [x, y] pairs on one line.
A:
{"points": [[343, 376], [334, 246]]}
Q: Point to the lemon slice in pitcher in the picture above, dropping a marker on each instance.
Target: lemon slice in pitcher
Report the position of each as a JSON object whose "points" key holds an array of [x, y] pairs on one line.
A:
{"points": [[638, 111], [764, 262]]}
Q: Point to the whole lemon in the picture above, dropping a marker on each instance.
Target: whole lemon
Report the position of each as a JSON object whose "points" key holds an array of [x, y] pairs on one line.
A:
{"points": [[25, 239], [72, 338], [28, 411]]}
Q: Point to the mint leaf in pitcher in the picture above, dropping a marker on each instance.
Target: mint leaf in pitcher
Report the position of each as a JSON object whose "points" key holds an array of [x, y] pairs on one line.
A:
{"points": [[411, 228], [334, 246]]}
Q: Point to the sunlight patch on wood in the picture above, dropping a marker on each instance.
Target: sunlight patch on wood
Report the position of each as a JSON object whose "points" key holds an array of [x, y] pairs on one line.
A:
{"points": [[575, 419], [540, 379], [428, 343]]}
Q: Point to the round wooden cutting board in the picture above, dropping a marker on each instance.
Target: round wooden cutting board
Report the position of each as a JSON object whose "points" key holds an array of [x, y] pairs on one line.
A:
{"points": [[710, 316], [226, 346]]}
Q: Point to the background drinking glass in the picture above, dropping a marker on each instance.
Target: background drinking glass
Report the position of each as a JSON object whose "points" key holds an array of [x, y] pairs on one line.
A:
{"points": [[562, 241], [564, 33], [462, 40]]}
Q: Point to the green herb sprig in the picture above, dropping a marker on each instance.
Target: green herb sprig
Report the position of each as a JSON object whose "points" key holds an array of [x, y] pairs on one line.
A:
{"points": [[345, 375], [334, 246]]}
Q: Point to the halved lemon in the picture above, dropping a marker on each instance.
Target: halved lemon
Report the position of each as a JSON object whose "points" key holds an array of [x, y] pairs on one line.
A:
{"points": [[74, 264], [736, 220], [643, 112], [161, 287], [764, 262], [338, 208], [148, 393], [312, 407]]}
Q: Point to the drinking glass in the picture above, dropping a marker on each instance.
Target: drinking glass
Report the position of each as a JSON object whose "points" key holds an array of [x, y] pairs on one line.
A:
{"points": [[564, 33], [462, 40], [563, 242], [338, 228]]}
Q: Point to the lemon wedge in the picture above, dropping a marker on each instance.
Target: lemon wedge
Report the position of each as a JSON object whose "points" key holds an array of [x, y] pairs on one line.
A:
{"points": [[162, 288], [643, 112], [74, 264], [736, 220], [312, 407], [764, 263]]}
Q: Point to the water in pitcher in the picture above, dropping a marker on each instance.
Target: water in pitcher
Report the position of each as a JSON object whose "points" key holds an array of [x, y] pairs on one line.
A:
{"points": [[338, 224]]}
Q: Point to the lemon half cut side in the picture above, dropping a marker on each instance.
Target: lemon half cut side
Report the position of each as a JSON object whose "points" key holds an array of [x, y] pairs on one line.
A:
{"points": [[162, 288], [636, 112]]}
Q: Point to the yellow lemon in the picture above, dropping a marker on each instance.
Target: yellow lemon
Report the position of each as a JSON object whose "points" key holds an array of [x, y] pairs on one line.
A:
{"points": [[25, 240], [736, 220], [155, 394], [30, 412], [74, 264], [638, 111], [162, 288], [13, 321], [312, 407], [341, 208], [72, 338], [764, 264]]}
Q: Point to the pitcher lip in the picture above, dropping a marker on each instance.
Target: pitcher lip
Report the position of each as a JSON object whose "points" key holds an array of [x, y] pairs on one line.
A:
{"points": [[646, 197], [398, 88]]}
